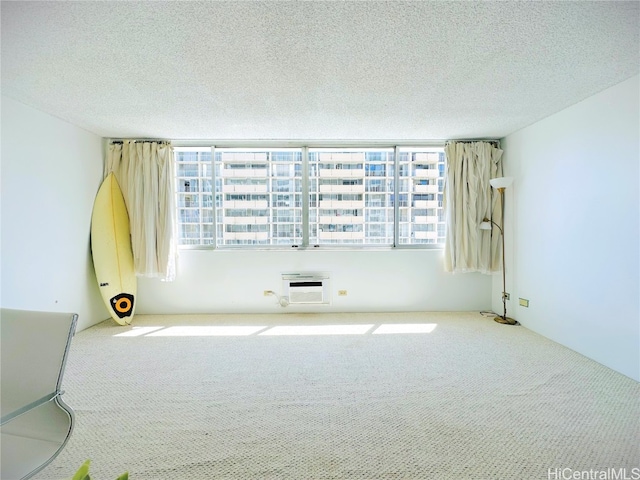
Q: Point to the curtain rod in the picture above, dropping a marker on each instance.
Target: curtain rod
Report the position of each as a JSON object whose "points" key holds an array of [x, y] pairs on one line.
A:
{"points": [[495, 142], [139, 140], [492, 141]]}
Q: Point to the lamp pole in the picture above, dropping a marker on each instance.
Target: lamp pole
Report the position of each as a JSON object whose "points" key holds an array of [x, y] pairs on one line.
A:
{"points": [[500, 184], [504, 275], [504, 319]]}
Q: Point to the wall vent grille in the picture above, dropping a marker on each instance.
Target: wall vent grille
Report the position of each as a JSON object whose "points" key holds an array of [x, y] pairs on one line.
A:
{"points": [[306, 288]]}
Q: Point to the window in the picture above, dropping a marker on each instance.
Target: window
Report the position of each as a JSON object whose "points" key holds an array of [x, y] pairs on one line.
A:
{"points": [[195, 200], [346, 197], [258, 196], [345, 185], [421, 182]]}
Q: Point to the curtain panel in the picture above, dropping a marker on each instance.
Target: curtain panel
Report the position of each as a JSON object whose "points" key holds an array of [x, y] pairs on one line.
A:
{"points": [[145, 173], [468, 198]]}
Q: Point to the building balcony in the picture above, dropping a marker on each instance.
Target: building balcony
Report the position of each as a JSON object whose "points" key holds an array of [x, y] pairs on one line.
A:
{"points": [[341, 220], [426, 204], [425, 219], [343, 157], [255, 236], [426, 173], [426, 235], [425, 188], [341, 173], [341, 204], [341, 188], [247, 204], [243, 157], [188, 201], [244, 188], [245, 220], [341, 235], [427, 157], [243, 172]]}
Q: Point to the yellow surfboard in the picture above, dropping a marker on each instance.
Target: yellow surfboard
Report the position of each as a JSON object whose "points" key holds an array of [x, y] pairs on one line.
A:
{"points": [[111, 251]]}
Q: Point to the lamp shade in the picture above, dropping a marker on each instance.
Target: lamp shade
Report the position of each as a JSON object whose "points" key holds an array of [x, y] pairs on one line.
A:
{"points": [[485, 226], [501, 182]]}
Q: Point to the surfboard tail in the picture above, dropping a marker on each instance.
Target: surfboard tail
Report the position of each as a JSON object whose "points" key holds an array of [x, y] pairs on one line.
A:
{"points": [[122, 305]]}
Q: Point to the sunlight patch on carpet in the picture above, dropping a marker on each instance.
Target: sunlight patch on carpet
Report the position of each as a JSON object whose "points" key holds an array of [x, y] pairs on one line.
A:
{"points": [[207, 331], [405, 328], [280, 330], [319, 330], [138, 331]]}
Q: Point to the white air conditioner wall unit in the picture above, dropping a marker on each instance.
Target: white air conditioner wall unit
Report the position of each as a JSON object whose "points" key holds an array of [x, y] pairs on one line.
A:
{"points": [[305, 288], [306, 292]]}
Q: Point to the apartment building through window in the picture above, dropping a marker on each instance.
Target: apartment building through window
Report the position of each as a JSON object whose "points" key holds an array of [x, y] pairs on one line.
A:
{"points": [[310, 197]]}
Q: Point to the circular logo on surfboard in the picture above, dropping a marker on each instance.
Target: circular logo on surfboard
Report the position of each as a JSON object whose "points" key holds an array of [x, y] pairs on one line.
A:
{"points": [[122, 304]]}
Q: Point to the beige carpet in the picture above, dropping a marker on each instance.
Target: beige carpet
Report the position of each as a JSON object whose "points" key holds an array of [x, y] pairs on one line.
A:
{"points": [[456, 396]]}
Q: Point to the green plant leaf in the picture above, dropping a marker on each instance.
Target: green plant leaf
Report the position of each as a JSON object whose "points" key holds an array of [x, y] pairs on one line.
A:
{"points": [[83, 472]]}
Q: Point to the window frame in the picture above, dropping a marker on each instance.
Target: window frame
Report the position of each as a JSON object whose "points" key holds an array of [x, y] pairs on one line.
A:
{"points": [[305, 146]]}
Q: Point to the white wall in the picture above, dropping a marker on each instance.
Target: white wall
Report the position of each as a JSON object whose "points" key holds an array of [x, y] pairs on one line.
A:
{"points": [[224, 281], [573, 223], [51, 171]]}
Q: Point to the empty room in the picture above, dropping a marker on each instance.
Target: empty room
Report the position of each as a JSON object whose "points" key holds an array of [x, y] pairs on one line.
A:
{"points": [[313, 240]]}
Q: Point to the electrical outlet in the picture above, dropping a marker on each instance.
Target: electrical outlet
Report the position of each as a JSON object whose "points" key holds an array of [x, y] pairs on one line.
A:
{"points": [[507, 296], [342, 293], [524, 302]]}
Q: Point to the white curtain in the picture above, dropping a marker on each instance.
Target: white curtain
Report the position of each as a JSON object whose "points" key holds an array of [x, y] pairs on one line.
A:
{"points": [[144, 171], [468, 198]]}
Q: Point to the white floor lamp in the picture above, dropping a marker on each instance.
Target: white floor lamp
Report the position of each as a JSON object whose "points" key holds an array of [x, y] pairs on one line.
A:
{"points": [[500, 184]]}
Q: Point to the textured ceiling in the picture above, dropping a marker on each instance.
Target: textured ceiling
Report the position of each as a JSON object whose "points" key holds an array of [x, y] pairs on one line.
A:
{"points": [[313, 70]]}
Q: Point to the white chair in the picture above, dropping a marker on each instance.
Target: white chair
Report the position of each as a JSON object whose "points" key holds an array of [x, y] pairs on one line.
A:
{"points": [[36, 423]]}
